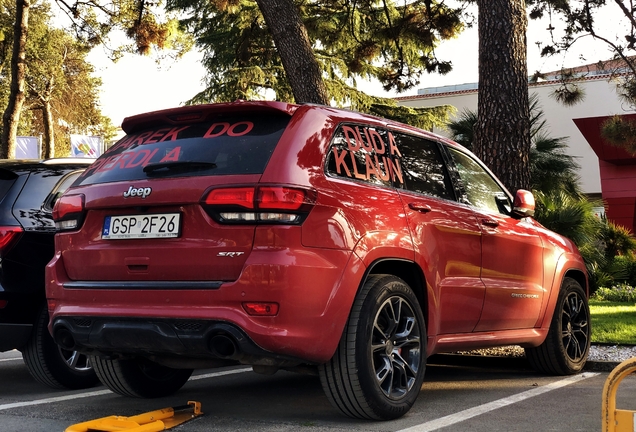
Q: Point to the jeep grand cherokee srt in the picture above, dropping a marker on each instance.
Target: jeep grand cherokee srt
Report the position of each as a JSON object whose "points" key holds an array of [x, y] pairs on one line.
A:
{"points": [[282, 235]]}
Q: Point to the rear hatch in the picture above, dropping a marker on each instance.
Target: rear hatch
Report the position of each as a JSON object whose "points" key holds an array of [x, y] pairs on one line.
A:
{"points": [[171, 200]]}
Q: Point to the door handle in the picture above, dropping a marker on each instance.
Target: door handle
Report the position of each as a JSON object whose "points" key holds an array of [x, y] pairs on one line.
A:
{"points": [[422, 208], [490, 223]]}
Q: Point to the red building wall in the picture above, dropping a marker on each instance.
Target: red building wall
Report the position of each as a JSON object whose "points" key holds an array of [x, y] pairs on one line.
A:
{"points": [[618, 172]]}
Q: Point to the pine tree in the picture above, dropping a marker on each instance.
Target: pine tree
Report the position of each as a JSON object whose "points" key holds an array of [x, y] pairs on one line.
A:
{"points": [[392, 42]]}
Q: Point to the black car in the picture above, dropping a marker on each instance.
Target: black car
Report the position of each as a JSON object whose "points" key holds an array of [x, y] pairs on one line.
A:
{"points": [[28, 191]]}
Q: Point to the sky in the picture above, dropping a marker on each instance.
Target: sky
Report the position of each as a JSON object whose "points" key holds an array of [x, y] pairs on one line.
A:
{"points": [[135, 84]]}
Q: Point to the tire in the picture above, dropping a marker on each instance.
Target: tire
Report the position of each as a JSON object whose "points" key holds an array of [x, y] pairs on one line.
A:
{"points": [[567, 345], [53, 366], [377, 370], [139, 377]]}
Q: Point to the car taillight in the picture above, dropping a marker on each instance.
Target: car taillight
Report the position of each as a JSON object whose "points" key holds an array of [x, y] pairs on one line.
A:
{"points": [[68, 212], [242, 197], [280, 198], [8, 236], [272, 204]]}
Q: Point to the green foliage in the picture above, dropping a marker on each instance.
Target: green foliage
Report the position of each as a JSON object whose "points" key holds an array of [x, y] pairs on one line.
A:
{"points": [[552, 169], [627, 86], [608, 249], [463, 128], [620, 132], [621, 292], [605, 247], [613, 322], [423, 118], [616, 239], [570, 216], [568, 92], [146, 24], [58, 73], [611, 266], [393, 42], [627, 265]]}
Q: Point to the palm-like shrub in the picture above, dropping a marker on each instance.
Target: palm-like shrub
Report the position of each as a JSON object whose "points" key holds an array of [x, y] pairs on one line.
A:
{"points": [[551, 169], [570, 216], [607, 248], [617, 240], [463, 128]]}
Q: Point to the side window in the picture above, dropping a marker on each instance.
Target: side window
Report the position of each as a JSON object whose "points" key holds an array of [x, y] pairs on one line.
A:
{"points": [[424, 168], [31, 206], [481, 190], [365, 154]]}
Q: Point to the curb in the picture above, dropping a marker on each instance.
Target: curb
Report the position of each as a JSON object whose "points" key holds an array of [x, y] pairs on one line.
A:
{"points": [[600, 366], [507, 361]]}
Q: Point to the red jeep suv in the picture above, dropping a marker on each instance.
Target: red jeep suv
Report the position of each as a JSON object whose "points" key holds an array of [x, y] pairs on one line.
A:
{"points": [[281, 236]]}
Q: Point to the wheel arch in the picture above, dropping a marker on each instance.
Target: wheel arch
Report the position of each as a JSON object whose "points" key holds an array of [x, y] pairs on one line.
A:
{"points": [[580, 277], [409, 272], [571, 266]]}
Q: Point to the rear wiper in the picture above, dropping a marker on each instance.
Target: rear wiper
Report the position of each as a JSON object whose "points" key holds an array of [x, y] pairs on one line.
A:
{"points": [[178, 166]]}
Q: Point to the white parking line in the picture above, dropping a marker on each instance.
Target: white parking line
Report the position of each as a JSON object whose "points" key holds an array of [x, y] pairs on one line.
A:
{"points": [[104, 392], [217, 374], [11, 359], [53, 399], [491, 406]]}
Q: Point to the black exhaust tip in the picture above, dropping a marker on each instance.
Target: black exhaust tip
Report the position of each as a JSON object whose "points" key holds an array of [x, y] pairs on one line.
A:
{"points": [[223, 346], [65, 339]]}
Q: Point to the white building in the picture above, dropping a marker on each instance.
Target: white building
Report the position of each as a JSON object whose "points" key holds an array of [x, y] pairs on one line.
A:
{"points": [[601, 99]]}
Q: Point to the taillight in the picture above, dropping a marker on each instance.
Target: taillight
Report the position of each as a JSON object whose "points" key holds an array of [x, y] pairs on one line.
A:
{"points": [[3, 304], [8, 236], [272, 204], [280, 198], [68, 212], [242, 197]]}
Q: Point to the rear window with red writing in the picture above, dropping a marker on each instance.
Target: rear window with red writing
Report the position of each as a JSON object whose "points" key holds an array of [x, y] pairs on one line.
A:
{"points": [[228, 145]]}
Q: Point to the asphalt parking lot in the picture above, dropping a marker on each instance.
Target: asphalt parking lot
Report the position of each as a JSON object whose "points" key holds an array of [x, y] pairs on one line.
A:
{"points": [[472, 394]]}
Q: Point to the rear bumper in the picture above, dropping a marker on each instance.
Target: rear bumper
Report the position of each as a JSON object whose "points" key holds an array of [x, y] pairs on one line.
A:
{"points": [[314, 289], [198, 339]]}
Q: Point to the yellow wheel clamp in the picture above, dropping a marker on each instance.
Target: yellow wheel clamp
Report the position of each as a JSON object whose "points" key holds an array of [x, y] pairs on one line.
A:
{"points": [[158, 420], [617, 420]]}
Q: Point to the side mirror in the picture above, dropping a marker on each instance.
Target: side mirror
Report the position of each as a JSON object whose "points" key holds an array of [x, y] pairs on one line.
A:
{"points": [[524, 204]]}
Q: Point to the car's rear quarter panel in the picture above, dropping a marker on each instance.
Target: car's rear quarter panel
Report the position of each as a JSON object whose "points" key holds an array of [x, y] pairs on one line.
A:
{"points": [[348, 216]]}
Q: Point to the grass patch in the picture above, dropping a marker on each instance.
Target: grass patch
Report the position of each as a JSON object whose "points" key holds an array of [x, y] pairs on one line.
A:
{"points": [[613, 322]]}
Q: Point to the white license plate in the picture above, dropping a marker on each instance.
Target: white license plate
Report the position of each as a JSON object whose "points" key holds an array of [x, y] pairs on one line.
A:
{"points": [[158, 225]]}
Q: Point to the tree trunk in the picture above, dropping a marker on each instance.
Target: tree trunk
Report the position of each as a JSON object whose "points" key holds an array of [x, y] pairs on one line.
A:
{"points": [[502, 133], [49, 135], [293, 45], [11, 116]]}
